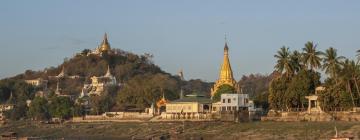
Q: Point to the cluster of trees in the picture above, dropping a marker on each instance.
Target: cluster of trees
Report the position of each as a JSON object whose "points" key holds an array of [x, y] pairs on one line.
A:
{"points": [[59, 107], [299, 77], [16, 92], [256, 86]]}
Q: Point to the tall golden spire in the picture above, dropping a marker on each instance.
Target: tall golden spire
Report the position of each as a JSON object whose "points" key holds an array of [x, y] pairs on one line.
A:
{"points": [[225, 71], [105, 46], [226, 74]]}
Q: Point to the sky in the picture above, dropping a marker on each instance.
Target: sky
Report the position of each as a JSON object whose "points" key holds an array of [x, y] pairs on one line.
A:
{"points": [[182, 34]]}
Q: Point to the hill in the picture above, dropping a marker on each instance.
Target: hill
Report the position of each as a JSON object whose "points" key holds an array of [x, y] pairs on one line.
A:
{"points": [[141, 81]]}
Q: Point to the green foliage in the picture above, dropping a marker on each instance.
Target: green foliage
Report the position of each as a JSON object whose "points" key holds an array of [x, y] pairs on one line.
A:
{"points": [[332, 62], [345, 100], [311, 56], [257, 87], [301, 85], [287, 93], [79, 110], [39, 109], [143, 90], [261, 100], [222, 89], [61, 107], [4, 92], [284, 61], [142, 84], [18, 112], [85, 52], [288, 90], [101, 104], [277, 90]]}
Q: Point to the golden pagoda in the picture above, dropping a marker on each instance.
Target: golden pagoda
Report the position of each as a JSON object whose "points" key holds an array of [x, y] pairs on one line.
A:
{"points": [[105, 46], [226, 74], [162, 102]]}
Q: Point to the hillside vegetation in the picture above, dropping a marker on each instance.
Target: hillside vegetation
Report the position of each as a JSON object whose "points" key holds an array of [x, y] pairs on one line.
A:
{"points": [[141, 83]]}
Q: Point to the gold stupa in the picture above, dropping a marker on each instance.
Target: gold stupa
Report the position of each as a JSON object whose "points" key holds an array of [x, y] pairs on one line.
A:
{"points": [[105, 45], [226, 74]]}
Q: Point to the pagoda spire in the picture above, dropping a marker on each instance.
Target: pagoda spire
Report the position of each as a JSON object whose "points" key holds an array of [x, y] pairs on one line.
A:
{"points": [[57, 90], [226, 71], [105, 45], [62, 72], [226, 75], [181, 74], [108, 73], [11, 99]]}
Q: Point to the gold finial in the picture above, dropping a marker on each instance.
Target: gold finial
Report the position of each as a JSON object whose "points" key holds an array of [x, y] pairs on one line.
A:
{"points": [[226, 48], [163, 95], [105, 36], [105, 46]]}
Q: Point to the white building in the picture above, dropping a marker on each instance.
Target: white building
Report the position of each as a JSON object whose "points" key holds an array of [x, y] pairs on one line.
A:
{"points": [[232, 102], [98, 84], [37, 82]]}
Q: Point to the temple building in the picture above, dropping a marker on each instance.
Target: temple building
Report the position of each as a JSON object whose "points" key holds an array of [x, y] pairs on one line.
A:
{"points": [[226, 74], [104, 47], [161, 104], [63, 75], [193, 106], [98, 84], [37, 82], [8, 105]]}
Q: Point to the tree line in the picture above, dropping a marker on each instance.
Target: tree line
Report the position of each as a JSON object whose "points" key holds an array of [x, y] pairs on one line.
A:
{"points": [[299, 76]]}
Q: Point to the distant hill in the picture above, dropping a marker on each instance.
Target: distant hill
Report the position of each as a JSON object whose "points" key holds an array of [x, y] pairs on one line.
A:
{"points": [[131, 70]]}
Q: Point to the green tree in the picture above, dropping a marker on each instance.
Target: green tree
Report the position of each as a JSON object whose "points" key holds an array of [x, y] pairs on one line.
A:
{"points": [[18, 112], [332, 62], [357, 56], [277, 90], [303, 84], [332, 97], [39, 109], [283, 64], [143, 90], [347, 76], [295, 61], [346, 101], [222, 89], [61, 107], [311, 56]]}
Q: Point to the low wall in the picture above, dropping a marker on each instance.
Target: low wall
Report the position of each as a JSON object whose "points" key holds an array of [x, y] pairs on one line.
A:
{"points": [[111, 116], [305, 116], [235, 116], [194, 116]]}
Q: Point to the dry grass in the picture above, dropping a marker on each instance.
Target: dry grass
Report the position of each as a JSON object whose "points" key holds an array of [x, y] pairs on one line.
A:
{"points": [[193, 130]]}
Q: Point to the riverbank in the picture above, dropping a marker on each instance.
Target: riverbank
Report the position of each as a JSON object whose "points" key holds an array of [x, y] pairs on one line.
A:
{"points": [[182, 130]]}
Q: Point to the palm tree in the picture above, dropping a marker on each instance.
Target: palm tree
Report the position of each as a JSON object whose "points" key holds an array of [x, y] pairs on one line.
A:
{"points": [[358, 57], [311, 56], [353, 70], [332, 62], [348, 74], [283, 61], [295, 59]]}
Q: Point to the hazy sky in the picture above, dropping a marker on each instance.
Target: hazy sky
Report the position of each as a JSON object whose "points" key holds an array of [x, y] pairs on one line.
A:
{"points": [[187, 34]]}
